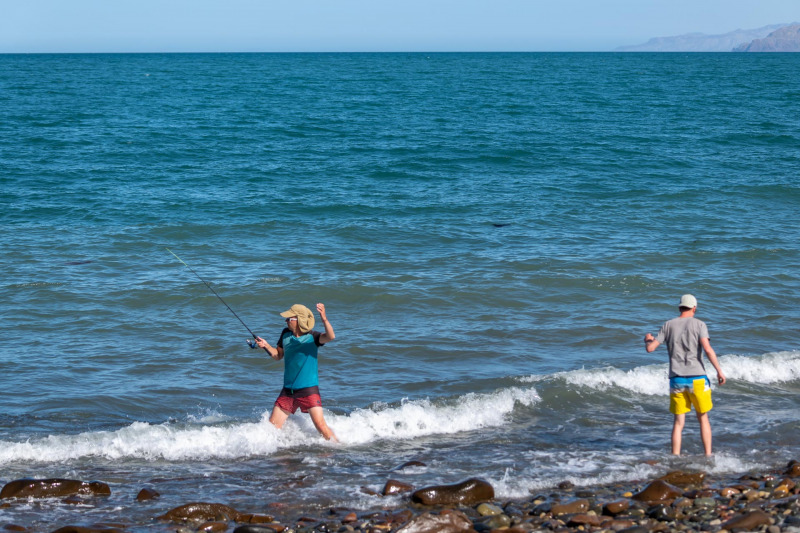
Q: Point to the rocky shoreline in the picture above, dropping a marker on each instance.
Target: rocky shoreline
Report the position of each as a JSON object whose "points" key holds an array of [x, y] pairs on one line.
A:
{"points": [[677, 502]]}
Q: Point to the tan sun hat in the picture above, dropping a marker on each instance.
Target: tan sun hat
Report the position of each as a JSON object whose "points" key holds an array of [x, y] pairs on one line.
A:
{"points": [[687, 300], [305, 318]]}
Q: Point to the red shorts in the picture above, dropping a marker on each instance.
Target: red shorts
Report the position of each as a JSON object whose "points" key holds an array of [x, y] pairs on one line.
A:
{"points": [[304, 399]]}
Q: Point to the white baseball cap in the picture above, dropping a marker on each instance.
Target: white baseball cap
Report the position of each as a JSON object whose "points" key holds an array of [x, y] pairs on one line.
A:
{"points": [[687, 300]]}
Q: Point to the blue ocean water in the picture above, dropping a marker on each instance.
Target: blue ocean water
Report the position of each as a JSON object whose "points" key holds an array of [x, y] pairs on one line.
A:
{"points": [[492, 235]]}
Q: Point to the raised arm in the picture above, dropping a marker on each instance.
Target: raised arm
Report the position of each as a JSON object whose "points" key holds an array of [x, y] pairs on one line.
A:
{"points": [[712, 356], [329, 335]]}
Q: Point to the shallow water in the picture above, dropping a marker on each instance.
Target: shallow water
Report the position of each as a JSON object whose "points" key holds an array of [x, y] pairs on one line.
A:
{"points": [[492, 235]]}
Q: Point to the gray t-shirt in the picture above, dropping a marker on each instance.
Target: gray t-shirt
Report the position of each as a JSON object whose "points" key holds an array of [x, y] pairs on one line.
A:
{"points": [[682, 338]]}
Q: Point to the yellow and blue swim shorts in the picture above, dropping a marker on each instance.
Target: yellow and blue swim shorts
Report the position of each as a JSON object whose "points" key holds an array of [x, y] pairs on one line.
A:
{"points": [[688, 391]]}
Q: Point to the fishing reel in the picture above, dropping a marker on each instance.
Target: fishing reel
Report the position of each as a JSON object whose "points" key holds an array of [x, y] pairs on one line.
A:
{"points": [[252, 344]]}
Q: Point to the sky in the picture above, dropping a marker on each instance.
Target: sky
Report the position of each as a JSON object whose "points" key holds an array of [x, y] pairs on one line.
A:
{"points": [[78, 26]]}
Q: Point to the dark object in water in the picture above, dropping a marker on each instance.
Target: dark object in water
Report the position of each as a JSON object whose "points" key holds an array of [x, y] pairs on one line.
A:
{"points": [[78, 262], [501, 225]]}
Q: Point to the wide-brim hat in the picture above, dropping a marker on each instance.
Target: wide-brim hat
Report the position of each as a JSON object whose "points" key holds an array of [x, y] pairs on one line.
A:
{"points": [[305, 318]]}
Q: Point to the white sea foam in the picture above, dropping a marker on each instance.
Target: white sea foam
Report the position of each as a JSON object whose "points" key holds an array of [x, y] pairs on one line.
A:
{"points": [[197, 441], [419, 418], [771, 368], [778, 367], [542, 472]]}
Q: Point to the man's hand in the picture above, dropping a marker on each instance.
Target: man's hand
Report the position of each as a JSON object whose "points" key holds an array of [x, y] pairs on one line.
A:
{"points": [[321, 310]]}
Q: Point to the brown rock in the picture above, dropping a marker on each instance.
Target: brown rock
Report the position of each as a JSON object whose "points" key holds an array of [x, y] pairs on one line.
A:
{"points": [[53, 488], [147, 494], [351, 517], [14, 527], [729, 492], [369, 491], [469, 492], [658, 491], [254, 518], [793, 469], [583, 520], [749, 521], [201, 512], [615, 508], [684, 479], [702, 493], [575, 506], [395, 487], [408, 464], [445, 522]]}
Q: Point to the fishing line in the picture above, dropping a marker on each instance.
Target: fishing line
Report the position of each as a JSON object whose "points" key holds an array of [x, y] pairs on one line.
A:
{"points": [[249, 342]]}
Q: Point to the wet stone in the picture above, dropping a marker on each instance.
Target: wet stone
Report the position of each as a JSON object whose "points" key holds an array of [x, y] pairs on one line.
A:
{"points": [[200, 512], [147, 494], [705, 502], [53, 488], [544, 507], [684, 479], [573, 507], [393, 486], [488, 509], [583, 520], [658, 491], [469, 492], [498, 522], [615, 508], [748, 521]]}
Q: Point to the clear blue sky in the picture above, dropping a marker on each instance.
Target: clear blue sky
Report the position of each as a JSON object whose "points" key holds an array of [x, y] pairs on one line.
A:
{"points": [[368, 25]]}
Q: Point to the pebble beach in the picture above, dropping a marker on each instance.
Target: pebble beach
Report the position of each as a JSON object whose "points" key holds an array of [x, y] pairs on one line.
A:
{"points": [[678, 501]]}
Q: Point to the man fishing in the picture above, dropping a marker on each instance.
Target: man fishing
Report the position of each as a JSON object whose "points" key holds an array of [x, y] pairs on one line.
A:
{"points": [[298, 345]]}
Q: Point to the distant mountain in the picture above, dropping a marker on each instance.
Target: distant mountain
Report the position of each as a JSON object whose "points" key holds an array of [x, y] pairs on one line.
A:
{"points": [[785, 39], [700, 42]]}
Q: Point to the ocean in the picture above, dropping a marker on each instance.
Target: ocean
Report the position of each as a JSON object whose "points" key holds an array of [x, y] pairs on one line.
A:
{"points": [[492, 236]]}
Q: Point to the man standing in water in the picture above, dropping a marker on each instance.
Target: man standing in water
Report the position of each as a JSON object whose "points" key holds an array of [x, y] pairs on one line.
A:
{"points": [[687, 338], [299, 344]]}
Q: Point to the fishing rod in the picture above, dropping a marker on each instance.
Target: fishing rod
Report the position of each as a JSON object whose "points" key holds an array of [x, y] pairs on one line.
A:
{"points": [[250, 343]]}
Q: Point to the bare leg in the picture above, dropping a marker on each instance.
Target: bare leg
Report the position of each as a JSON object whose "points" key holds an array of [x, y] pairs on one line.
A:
{"points": [[677, 433], [278, 417], [705, 432], [320, 424]]}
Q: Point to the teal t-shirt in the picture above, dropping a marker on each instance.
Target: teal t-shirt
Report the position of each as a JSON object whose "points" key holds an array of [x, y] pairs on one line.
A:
{"points": [[299, 359]]}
